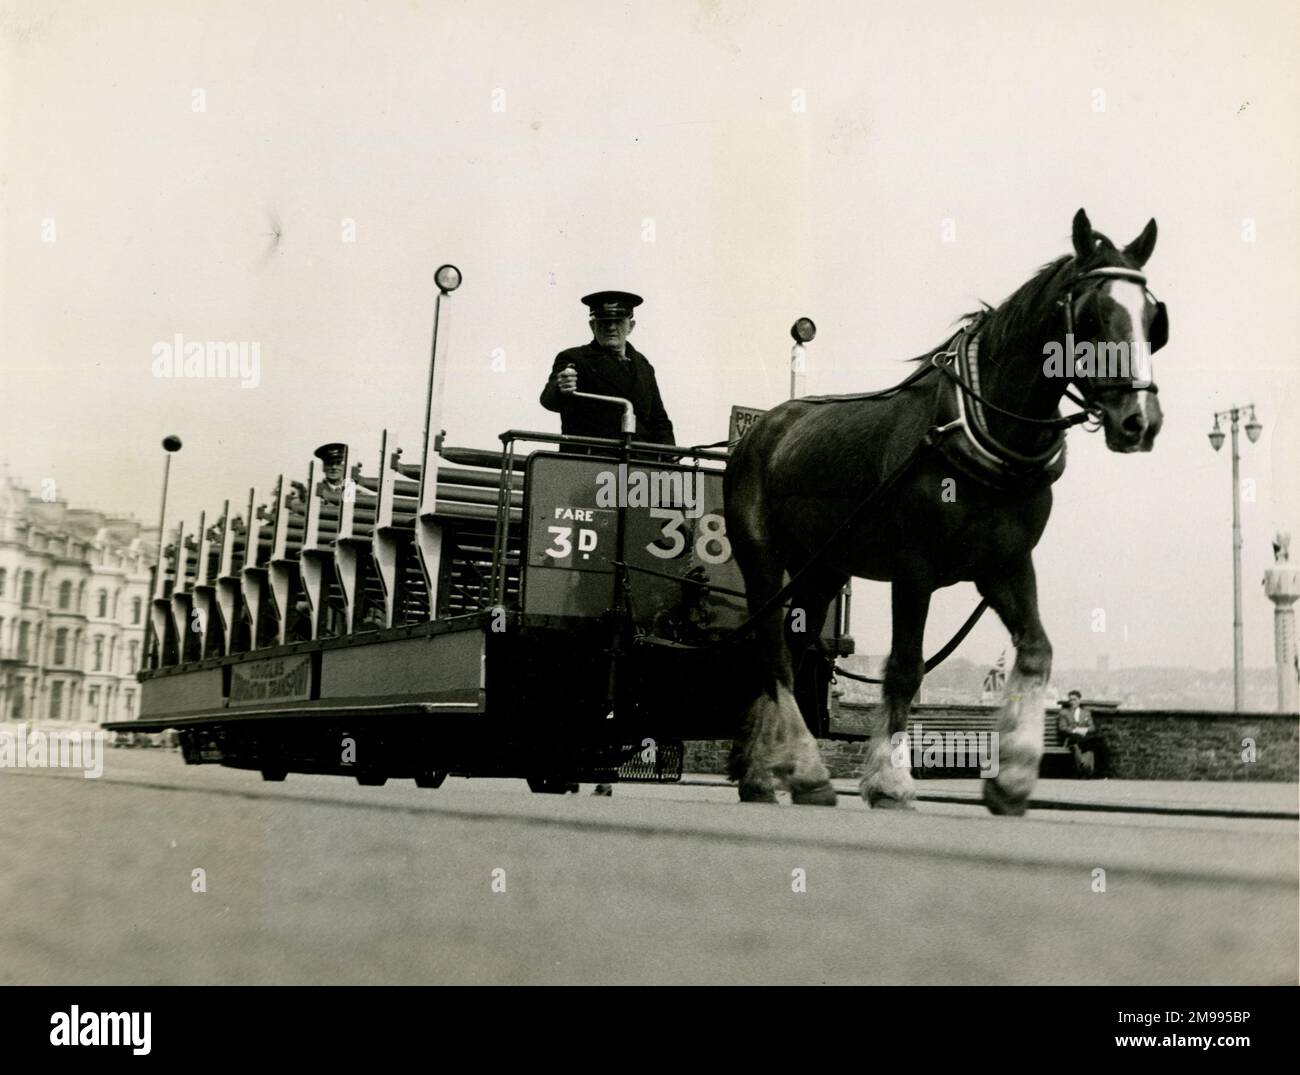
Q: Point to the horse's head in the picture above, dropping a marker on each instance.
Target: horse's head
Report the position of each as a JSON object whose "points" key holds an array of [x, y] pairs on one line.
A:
{"points": [[1116, 325]]}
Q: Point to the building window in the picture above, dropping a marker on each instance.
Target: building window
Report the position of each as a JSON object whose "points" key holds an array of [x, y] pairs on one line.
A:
{"points": [[56, 701], [4, 573], [28, 581], [101, 604], [128, 699], [99, 653], [112, 654], [18, 708], [136, 605], [24, 633], [133, 654], [92, 700], [60, 645], [65, 594]]}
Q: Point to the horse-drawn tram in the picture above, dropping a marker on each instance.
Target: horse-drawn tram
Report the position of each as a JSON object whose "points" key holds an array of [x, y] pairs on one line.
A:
{"points": [[575, 614], [557, 609]]}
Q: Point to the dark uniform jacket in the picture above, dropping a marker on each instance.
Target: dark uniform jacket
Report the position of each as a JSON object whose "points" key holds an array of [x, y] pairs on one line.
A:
{"points": [[605, 374], [1075, 724]]}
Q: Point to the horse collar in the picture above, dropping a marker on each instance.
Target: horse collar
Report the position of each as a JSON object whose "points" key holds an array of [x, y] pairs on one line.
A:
{"points": [[975, 449]]}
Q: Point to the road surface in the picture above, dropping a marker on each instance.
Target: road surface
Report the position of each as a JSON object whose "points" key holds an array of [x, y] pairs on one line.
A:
{"points": [[318, 880]]}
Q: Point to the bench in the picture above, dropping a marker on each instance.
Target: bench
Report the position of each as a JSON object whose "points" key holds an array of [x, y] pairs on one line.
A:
{"points": [[944, 722]]}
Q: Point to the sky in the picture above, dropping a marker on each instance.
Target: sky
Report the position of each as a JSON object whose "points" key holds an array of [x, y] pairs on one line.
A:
{"points": [[291, 174]]}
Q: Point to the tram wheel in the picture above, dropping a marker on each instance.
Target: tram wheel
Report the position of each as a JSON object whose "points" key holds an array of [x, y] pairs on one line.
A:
{"points": [[372, 780], [275, 775], [433, 778]]}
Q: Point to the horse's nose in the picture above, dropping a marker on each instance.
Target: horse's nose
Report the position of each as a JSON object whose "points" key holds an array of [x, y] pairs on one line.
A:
{"points": [[1134, 425]]}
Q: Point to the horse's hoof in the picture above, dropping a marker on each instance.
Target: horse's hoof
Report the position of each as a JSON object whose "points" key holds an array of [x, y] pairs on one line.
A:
{"points": [[1002, 804], [815, 795], [757, 793], [884, 802]]}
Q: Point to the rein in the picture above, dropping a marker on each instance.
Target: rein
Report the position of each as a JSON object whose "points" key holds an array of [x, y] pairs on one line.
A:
{"points": [[943, 360]]}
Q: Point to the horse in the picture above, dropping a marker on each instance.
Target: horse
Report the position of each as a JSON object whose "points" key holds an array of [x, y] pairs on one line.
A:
{"points": [[941, 479]]}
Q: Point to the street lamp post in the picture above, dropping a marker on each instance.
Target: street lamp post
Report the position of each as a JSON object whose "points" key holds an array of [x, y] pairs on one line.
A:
{"points": [[802, 331], [448, 279], [171, 444], [1253, 429]]}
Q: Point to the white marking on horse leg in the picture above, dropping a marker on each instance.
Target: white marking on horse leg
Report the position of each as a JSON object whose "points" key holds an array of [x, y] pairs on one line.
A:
{"points": [[777, 748], [887, 775], [749, 765], [798, 762], [1020, 745]]}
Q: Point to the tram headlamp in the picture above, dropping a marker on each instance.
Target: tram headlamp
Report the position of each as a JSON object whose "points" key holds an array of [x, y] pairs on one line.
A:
{"points": [[447, 278], [171, 443], [803, 330]]}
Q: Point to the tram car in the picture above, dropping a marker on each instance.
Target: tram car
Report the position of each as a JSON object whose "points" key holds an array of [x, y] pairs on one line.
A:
{"points": [[558, 609]]}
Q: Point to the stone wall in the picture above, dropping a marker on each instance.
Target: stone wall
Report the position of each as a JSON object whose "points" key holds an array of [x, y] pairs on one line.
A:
{"points": [[1180, 745], [1139, 745]]}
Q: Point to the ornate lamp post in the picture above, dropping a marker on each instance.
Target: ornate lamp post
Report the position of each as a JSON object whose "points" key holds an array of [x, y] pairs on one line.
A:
{"points": [[1253, 429], [1282, 585]]}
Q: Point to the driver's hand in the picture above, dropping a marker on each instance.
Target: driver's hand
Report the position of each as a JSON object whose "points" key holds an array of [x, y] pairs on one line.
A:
{"points": [[567, 380]]}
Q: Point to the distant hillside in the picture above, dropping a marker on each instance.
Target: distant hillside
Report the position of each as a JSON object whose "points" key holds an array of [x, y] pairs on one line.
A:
{"points": [[960, 680]]}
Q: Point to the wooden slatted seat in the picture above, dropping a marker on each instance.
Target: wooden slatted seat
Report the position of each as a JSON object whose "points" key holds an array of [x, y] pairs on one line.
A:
{"points": [[317, 562], [985, 721]]}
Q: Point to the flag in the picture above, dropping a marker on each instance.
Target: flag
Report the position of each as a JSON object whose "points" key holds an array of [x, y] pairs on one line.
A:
{"points": [[996, 678]]}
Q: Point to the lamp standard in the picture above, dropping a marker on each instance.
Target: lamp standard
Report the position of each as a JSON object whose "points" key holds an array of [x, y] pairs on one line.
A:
{"points": [[1253, 429], [802, 331], [171, 444], [448, 279]]}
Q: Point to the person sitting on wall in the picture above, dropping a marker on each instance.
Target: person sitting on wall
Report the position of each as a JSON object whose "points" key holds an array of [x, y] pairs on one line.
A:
{"points": [[1078, 732]]}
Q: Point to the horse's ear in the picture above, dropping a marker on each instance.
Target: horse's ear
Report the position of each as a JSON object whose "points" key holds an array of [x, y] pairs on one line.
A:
{"points": [[1139, 250], [1082, 235]]}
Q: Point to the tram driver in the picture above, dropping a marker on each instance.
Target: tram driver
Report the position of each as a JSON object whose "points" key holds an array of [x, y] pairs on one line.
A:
{"points": [[608, 365]]}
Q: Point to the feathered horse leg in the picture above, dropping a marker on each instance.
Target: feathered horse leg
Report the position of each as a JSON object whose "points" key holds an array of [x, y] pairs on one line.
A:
{"points": [[774, 747], [1014, 597], [887, 778]]}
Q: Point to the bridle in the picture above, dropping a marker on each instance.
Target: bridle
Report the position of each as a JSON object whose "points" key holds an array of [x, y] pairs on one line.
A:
{"points": [[1158, 336], [963, 351]]}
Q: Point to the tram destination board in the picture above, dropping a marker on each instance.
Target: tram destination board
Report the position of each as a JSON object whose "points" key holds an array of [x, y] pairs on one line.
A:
{"points": [[674, 531]]}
